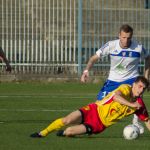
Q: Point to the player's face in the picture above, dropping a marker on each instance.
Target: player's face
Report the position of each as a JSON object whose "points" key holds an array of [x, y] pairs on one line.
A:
{"points": [[125, 39], [138, 89]]}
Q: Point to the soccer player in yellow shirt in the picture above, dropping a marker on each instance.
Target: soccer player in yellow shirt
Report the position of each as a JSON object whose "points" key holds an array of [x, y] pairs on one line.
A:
{"points": [[96, 117]]}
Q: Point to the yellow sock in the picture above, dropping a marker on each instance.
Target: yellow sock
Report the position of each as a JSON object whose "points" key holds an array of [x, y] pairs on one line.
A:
{"points": [[55, 125]]}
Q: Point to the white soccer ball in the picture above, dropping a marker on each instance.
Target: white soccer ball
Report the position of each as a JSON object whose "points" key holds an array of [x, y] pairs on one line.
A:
{"points": [[131, 132]]}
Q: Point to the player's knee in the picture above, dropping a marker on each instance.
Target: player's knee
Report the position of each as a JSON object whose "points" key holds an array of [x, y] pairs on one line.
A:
{"points": [[69, 132], [66, 121]]}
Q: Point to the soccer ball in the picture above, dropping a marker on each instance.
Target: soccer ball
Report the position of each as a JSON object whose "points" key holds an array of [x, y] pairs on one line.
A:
{"points": [[131, 132]]}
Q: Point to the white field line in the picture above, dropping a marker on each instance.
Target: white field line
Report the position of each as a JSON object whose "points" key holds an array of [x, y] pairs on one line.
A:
{"points": [[56, 96], [38, 110], [69, 96], [51, 96]]}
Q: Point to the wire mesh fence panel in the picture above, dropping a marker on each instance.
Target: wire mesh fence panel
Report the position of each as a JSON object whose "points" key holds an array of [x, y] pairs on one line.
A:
{"points": [[42, 36]]}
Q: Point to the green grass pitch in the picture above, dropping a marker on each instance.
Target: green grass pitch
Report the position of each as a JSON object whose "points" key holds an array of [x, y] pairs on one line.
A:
{"points": [[29, 107]]}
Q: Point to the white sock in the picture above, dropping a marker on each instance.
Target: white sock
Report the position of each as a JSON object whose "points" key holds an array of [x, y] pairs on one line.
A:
{"points": [[135, 119]]}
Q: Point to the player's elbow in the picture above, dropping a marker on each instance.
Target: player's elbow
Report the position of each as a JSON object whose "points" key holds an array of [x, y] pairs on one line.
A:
{"points": [[116, 95], [94, 58]]}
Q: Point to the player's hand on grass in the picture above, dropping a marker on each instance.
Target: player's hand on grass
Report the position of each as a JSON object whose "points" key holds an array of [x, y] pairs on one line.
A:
{"points": [[85, 76]]}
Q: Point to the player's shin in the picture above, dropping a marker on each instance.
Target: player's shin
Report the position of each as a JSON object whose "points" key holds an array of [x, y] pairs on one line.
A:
{"points": [[55, 125]]}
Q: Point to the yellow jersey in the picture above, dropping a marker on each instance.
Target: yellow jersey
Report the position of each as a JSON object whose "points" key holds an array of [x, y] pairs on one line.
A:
{"points": [[110, 111]]}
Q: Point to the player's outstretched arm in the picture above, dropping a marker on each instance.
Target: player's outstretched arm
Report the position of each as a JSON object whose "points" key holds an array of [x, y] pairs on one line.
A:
{"points": [[90, 63], [118, 98]]}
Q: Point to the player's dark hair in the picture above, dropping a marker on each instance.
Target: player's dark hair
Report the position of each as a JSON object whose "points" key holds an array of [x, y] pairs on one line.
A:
{"points": [[126, 28], [143, 80]]}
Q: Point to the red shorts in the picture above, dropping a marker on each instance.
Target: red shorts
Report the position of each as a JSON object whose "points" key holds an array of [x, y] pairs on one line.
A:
{"points": [[91, 118]]}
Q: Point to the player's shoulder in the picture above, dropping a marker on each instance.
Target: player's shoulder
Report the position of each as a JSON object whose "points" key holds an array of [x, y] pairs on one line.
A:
{"points": [[138, 47], [110, 43], [113, 42], [124, 87], [136, 44]]}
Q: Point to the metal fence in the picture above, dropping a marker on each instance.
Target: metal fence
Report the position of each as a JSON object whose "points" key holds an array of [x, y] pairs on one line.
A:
{"points": [[58, 37]]}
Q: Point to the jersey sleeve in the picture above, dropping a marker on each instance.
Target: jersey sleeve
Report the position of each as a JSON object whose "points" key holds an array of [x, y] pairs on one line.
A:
{"points": [[103, 51], [142, 113], [125, 89]]}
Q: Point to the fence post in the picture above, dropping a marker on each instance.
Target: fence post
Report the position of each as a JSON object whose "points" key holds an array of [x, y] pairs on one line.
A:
{"points": [[79, 35], [147, 4]]}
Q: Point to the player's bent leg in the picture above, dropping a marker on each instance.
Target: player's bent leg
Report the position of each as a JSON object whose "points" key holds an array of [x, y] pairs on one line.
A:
{"points": [[75, 130], [73, 118]]}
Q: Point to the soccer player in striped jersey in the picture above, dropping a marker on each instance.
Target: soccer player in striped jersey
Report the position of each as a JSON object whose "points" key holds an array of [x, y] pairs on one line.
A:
{"points": [[125, 55], [96, 117]]}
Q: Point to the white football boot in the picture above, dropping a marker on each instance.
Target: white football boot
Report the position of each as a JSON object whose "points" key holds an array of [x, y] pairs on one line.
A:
{"points": [[136, 122]]}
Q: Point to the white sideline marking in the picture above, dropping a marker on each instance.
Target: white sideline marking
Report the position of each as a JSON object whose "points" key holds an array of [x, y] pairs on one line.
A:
{"points": [[38, 110], [48, 96], [56, 96]]}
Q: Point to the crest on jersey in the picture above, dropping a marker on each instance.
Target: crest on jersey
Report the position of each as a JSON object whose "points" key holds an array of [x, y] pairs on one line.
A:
{"points": [[130, 54], [116, 51], [123, 54], [86, 108], [112, 111]]}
